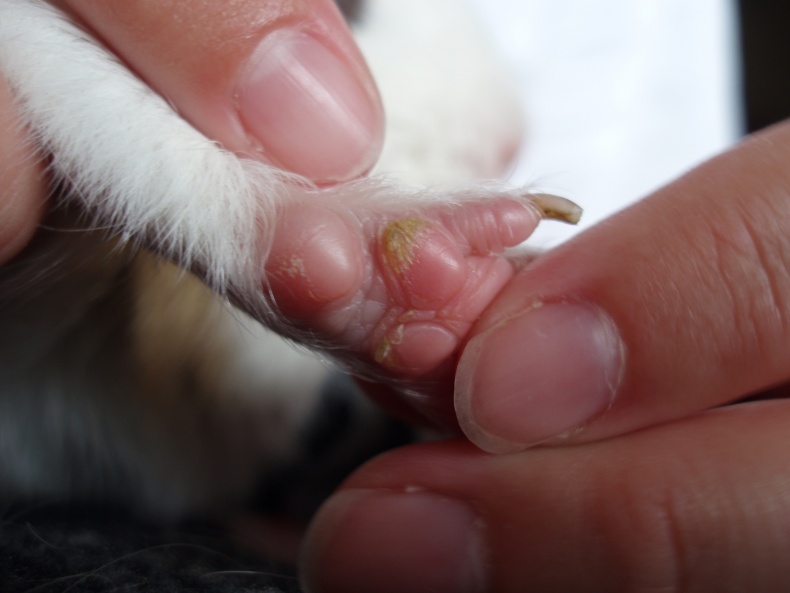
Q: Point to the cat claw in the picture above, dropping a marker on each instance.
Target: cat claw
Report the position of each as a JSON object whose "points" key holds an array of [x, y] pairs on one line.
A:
{"points": [[553, 207]]}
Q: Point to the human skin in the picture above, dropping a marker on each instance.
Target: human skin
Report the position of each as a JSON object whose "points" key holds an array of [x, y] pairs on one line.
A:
{"points": [[682, 299], [661, 488], [699, 504]]}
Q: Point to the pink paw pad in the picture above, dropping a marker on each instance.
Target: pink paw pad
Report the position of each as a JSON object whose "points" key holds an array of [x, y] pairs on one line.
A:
{"points": [[398, 292], [316, 259]]}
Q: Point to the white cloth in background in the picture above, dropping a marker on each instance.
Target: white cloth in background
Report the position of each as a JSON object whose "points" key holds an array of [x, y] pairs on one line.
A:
{"points": [[621, 96]]}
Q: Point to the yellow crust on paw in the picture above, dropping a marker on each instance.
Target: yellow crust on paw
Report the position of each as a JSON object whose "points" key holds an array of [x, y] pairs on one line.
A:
{"points": [[397, 242]]}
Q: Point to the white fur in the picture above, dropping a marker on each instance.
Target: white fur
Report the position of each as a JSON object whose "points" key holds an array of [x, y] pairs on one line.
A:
{"points": [[135, 166], [148, 175], [121, 376]]}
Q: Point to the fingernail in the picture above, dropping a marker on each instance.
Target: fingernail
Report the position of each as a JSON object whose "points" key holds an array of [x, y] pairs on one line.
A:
{"points": [[386, 541], [543, 374], [309, 109]]}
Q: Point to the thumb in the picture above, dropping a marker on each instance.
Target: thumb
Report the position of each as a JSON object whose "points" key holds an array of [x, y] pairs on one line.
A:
{"points": [[282, 80], [676, 305]]}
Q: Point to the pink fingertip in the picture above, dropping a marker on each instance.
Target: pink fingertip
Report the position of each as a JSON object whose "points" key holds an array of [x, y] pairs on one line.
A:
{"points": [[309, 108]]}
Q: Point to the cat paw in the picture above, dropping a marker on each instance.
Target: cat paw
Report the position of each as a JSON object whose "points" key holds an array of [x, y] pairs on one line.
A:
{"points": [[397, 290]]}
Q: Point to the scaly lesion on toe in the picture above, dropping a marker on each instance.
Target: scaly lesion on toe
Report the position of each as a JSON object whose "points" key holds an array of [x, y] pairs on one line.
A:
{"points": [[384, 350], [399, 242]]}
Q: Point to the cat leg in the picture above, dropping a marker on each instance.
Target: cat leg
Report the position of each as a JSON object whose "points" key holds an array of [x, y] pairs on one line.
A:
{"points": [[387, 278]]}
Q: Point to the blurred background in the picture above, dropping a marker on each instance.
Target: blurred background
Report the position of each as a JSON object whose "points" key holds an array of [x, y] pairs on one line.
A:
{"points": [[765, 42], [622, 96]]}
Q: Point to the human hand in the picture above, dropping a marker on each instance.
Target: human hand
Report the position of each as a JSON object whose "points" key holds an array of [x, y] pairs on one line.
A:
{"points": [[386, 278], [675, 307], [228, 70], [22, 188]]}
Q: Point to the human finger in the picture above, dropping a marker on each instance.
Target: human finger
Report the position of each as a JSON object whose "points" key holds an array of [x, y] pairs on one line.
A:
{"points": [[280, 80], [697, 505], [679, 304], [22, 187]]}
